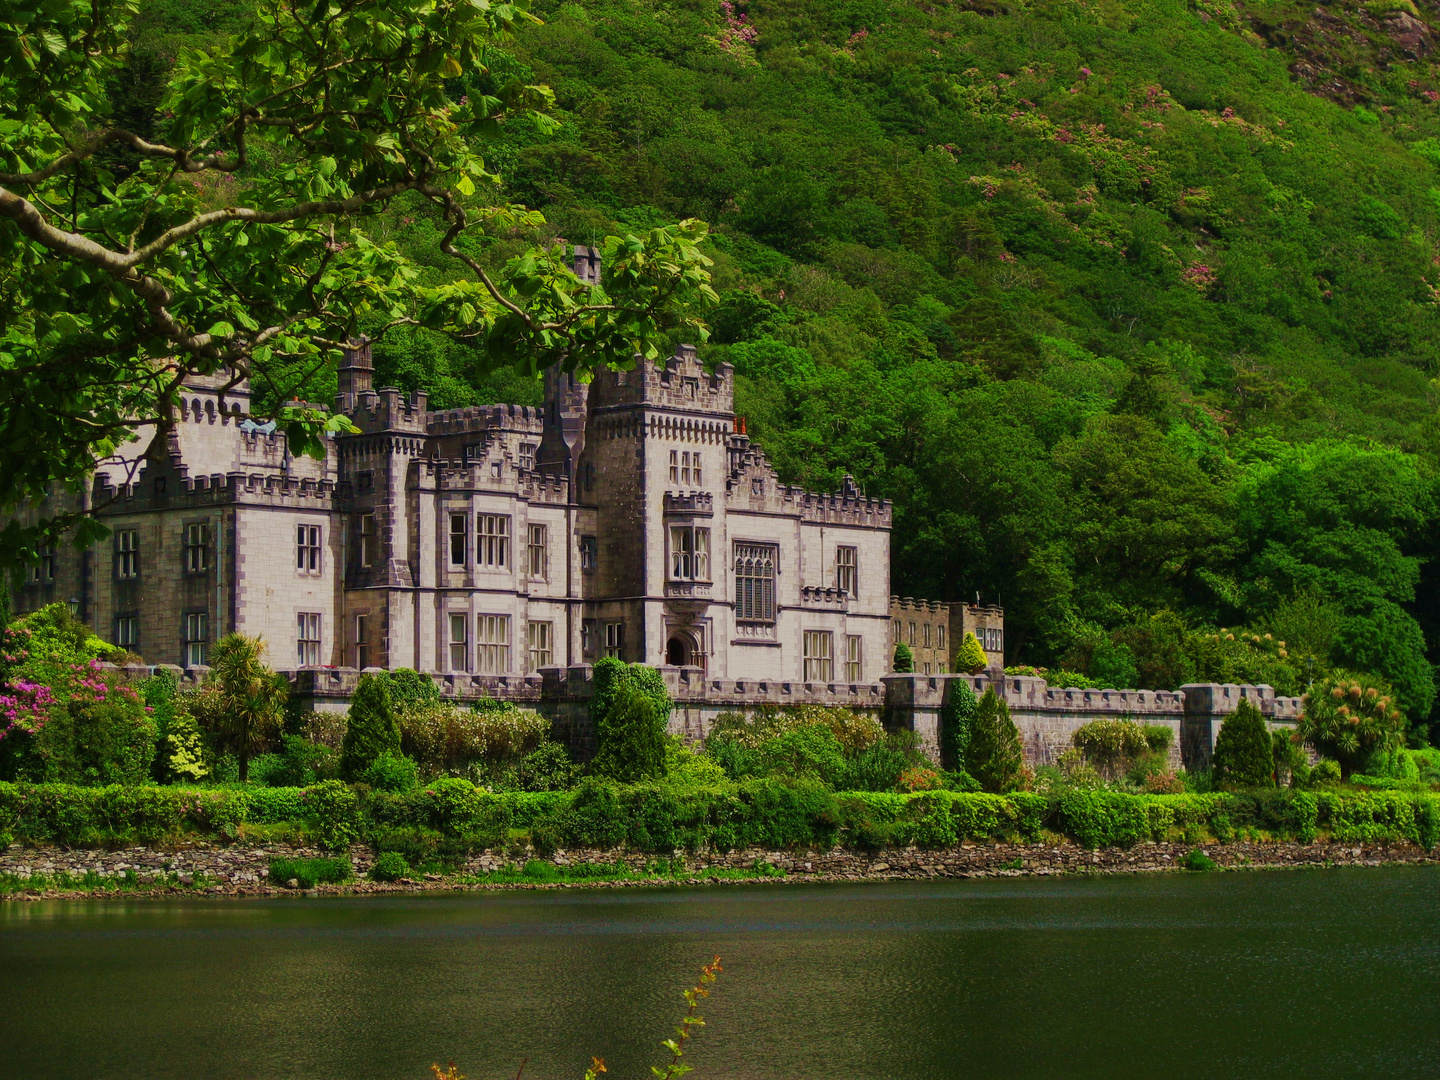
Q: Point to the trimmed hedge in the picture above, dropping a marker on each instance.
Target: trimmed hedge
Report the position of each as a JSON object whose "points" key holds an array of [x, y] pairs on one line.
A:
{"points": [[452, 814]]}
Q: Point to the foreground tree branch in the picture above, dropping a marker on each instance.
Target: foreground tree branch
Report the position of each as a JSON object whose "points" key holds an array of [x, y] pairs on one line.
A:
{"points": [[119, 287]]}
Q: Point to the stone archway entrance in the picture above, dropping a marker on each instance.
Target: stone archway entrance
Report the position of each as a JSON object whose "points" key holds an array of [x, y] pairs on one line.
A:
{"points": [[680, 651]]}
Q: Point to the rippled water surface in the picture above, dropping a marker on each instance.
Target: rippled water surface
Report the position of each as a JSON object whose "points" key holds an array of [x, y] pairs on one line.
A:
{"points": [[1296, 974]]}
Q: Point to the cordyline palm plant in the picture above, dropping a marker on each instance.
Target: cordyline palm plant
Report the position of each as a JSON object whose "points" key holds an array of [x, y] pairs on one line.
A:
{"points": [[253, 695], [1348, 717]]}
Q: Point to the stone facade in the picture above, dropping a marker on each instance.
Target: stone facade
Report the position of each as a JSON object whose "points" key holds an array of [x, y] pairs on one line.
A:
{"points": [[628, 517], [933, 632]]}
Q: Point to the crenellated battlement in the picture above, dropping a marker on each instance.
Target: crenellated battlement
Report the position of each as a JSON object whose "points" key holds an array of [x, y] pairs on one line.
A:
{"points": [[908, 604], [689, 503], [526, 419], [478, 475], [217, 489]]}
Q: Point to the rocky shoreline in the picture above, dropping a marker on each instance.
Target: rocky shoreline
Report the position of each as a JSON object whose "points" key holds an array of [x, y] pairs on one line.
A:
{"points": [[197, 869]]}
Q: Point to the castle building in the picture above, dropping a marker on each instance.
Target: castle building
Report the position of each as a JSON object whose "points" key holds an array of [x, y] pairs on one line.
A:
{"points": [[934, 631], [630, 516]]}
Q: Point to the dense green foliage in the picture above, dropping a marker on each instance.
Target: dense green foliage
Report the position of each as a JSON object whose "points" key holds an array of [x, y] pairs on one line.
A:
{"points": [[128, 182], [993, 755], [307, 873], [1137, 329], [452, 816], [630, 709], [957, 714], [481, 743], [837, 747], [1348, 718], [371, 729], [1244, 751], [251, 696]]}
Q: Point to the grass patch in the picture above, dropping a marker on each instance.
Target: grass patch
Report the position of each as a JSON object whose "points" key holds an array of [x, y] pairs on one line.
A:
{"points": [[307, 873], [540, 872], [14, 884], [1197, 860]]}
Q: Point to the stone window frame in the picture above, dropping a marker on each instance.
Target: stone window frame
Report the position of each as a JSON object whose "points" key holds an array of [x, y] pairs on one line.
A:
{"points": [[847, 569], [459, 539], [127, 554], [366, 539], [539, 643], [614, 643], [194, 637], [492, 644], [309, 548], [688, 553], [537, 551], [492, 541], [195, 547], [42, 572], [127, 630], [589, 553], [818, 655], [527, 455], [457, 640], [588, 637], [362, 640], [755, 593], [308, 638], [854, 658]]}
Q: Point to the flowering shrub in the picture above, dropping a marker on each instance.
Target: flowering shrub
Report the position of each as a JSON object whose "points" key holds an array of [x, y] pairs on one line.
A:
{"points": [[920, 778], [24, 707], [442, 738], [1200, 276], [739, 34], [88, 727]]}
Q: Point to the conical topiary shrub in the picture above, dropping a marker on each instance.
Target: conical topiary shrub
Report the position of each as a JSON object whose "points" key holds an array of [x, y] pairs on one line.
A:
{"points": [[993, 755], [971, 658], [904, 662], [372, 729], [1244, 751]]}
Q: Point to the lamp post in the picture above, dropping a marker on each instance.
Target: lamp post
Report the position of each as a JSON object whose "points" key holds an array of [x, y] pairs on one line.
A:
{"points": [[74, 604]]}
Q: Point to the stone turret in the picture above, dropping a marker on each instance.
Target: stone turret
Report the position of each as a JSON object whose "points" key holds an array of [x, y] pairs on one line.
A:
{"points": [[566, 408], [356, 374]]}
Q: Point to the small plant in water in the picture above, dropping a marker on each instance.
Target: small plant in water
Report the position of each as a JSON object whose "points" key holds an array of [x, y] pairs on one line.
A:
{"points": [[672, 1069]]}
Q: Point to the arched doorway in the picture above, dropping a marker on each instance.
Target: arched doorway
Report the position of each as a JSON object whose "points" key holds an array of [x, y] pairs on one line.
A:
{"points": [[679, 652]]}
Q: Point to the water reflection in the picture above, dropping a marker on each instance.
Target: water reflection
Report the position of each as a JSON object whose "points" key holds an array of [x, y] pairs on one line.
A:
{"points": [[1323, 973]]}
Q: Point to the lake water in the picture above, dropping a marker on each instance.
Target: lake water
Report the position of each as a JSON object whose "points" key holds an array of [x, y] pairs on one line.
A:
{"points": [[1325, 973]]}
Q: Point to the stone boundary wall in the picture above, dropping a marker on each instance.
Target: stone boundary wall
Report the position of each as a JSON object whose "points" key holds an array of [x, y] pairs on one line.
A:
{"points": [[1046, 716], [244, 868]]}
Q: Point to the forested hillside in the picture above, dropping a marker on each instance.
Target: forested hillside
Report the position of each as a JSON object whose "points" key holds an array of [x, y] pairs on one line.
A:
{"points": [[1133, 309]]}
